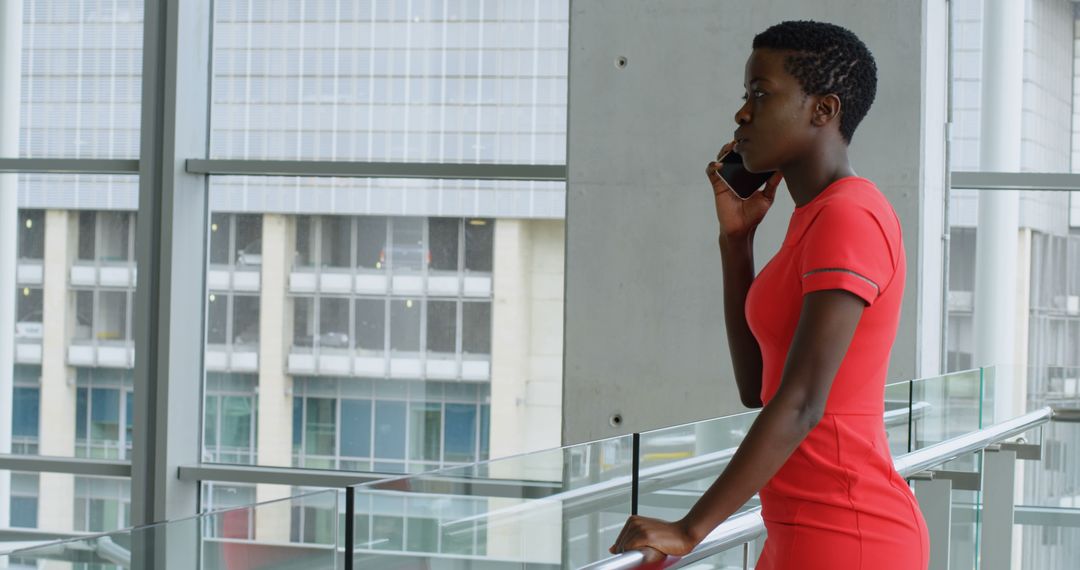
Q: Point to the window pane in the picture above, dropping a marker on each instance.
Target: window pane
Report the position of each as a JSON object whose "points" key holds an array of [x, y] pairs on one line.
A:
{"points": [[478, 244], [405, 325], [303, 321], [26, 412], [370, 241], [355, 428], [111, 318], [442, 326], [217, 314], [336, 240], [305, 242], [114, 235], [319, 427], [87, 239], [248, 240], [407, 251], [390, 430], [425, 431], [31, 234], [476, 328], [28, 314], [460, 432], [334, 323], [236, 418], [219, 238], [84, 315], [245, 320], [443, 235], [370, 324]]}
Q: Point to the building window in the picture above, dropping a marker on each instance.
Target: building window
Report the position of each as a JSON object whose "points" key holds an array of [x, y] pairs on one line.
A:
{"points": [[232, 317], [32, 234], [106, 237], [102, 504], [236, 239], [28, 314], [103, 419], [24, 500], [229, 434], [361, 424], [103, 315]]}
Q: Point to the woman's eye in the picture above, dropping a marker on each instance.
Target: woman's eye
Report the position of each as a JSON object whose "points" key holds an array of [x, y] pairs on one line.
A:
{"points": [[757, 95]]}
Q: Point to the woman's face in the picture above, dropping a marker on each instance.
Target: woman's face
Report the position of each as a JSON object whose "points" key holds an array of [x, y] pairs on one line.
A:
{"points": [[775, 120]]}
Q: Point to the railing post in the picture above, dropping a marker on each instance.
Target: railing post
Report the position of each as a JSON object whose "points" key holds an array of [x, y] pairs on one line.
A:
{"points": [[999, 479], [635, 468], [350, 528], [935, 501]]}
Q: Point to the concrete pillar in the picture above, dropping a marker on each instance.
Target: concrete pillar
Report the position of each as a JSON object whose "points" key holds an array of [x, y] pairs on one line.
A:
{"points": [[996, 242], [10, 84], [511, 317], [543, 388], [58, 391], [275, 386]]}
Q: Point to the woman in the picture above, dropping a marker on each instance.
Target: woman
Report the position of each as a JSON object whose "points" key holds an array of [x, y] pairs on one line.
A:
{"points": [[810, 336]]}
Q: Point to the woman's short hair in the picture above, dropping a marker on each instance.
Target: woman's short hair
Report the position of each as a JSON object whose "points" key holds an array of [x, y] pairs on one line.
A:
{"points": [[827, 59]]}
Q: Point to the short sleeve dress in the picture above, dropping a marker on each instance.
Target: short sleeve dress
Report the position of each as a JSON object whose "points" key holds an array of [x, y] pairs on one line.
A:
{"points": [[838, 503]]}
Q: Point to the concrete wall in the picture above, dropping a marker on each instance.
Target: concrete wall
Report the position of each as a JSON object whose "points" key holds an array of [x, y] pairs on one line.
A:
{"points": [[644, 324]]}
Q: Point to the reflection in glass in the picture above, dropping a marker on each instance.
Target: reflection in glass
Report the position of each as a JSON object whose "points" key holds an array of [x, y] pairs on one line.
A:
{"points": [[84, 315], [32, 234], [303, 321], [220, 225], [476, 327], [334, 323], [111, 318], [370, 324], [248, 240], [355, 428], [442, 326], [336, 241], [443, 237], [390, 431], [87, 223], [479, 235], [407, 251], [370, 241], [245, 328], [426, 434], [217, 314], [404, 325]]}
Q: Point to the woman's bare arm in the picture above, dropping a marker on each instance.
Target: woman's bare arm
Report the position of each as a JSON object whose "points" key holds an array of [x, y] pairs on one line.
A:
{"points": [[737, 255], [826, 326]]}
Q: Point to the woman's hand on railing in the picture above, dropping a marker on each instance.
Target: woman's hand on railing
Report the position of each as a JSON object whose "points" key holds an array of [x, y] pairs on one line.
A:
{"points": [[656, 539]]}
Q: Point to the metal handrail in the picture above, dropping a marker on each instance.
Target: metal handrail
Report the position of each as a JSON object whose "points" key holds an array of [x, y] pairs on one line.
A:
{"points": [[747, 526]]}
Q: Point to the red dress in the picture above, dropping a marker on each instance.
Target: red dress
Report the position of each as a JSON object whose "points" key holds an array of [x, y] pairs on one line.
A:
{"points": [[837, 503]]}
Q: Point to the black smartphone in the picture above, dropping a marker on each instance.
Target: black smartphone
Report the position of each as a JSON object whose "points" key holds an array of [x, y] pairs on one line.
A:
{"points": [[741, 181]]}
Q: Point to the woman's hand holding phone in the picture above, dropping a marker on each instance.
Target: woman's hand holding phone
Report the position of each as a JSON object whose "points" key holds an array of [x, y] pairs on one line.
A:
{"points": [[737, 216]]}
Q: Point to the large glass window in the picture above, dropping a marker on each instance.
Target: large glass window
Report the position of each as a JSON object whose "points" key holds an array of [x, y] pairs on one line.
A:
{"points": [[28, 314], [230, 410]]}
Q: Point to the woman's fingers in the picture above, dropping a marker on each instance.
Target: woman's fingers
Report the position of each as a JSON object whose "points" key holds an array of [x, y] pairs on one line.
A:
{"points": [[772, 184]]}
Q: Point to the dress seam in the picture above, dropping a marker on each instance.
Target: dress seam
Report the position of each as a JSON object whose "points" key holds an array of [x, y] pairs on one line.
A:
{"points": [[847, 482]]}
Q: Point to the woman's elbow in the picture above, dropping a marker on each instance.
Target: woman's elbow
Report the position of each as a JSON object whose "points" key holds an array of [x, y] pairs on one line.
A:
{"points": [[751, 401], [809, 416]]}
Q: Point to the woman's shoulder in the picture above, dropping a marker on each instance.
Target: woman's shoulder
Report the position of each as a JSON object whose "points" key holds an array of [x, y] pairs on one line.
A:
{"points": [[851, 206]]}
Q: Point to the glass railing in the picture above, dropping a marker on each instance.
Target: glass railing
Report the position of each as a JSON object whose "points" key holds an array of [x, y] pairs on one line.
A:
{"points": [[563, 508], [300, 532]]}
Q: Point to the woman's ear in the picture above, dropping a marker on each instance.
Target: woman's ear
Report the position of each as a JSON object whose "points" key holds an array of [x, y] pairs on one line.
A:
{"points": [[826, 109]]}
